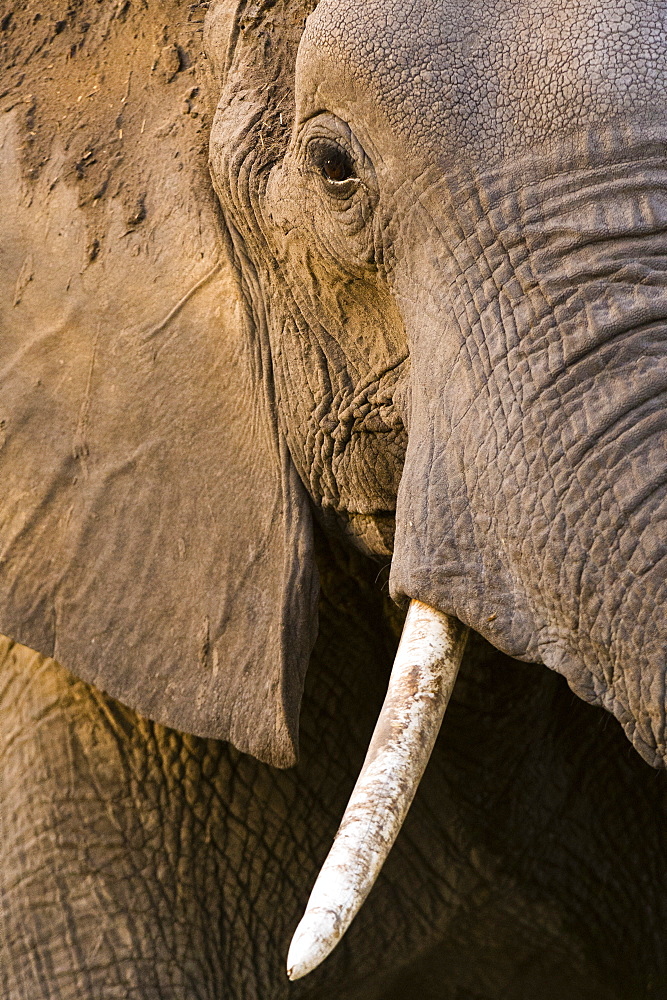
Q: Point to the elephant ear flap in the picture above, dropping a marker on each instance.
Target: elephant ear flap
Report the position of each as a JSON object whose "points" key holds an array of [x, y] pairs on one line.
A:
{"points": [[154, 536]]}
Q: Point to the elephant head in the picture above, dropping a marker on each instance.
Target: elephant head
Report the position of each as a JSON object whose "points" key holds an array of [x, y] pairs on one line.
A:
{"points": [[447, 227], [450, 221]]}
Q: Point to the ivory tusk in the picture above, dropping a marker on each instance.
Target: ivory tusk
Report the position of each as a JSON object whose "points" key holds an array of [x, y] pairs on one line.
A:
{"points": [[421, 682]]}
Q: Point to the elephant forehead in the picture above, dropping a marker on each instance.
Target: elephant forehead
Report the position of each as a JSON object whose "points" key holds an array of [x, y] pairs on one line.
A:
{"points": [[485, 76]]}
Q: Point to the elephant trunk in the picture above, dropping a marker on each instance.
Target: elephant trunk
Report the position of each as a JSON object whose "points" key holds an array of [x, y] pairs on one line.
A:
{"points": [[420, 686], [533, 500]]}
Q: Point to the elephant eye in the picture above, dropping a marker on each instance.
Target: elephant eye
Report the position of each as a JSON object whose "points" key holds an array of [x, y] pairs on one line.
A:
{"points": [[337, 168], [333, 163]]}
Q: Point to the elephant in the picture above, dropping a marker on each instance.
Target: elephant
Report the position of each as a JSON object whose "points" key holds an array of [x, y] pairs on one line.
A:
{"points": [[313, 314]]}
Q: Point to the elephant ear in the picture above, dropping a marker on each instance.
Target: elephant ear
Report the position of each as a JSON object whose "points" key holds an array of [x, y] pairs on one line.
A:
{"points": [[154, 536]]}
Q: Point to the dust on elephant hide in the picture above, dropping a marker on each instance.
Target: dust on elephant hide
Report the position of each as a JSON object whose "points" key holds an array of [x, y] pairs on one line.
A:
{"points": [[178, 582], [194, 400], [200, 434]]}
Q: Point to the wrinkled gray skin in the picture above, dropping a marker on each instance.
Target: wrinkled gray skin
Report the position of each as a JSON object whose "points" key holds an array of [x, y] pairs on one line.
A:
{"points": [[503, 226], [483, 302]]}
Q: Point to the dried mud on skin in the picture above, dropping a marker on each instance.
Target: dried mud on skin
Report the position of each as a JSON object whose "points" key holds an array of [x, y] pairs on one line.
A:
{"points": [[107, 114]]}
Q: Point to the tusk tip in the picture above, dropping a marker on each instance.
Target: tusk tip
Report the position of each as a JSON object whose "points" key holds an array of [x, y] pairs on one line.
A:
{"points": [[314, 939]]}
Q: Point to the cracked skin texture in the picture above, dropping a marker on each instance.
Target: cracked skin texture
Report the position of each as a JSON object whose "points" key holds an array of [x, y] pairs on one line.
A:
{"points": [[486, 79], [139, 861], [503, 229]]}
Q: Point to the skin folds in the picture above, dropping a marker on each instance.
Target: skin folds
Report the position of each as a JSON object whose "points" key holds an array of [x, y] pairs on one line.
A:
{"points": [[287, 296]]}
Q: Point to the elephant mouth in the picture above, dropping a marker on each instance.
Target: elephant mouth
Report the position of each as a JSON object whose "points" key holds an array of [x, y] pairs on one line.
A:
{"points": [[371, 532], [420, 686], [354, 454]]}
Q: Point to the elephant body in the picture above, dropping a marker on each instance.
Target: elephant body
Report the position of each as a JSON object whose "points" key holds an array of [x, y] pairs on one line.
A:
{"points": [[138, 861], [286, 296]]}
